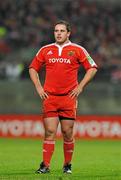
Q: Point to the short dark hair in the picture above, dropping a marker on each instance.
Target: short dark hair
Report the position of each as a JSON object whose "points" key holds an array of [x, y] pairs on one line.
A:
{"points": [[68, 27]]}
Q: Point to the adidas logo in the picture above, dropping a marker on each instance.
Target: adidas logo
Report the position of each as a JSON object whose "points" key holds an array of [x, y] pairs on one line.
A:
{"points": [[49, 52]]}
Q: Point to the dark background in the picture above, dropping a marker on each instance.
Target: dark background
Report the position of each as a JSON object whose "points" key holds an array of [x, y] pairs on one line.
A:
{"points": [[27, 25]]}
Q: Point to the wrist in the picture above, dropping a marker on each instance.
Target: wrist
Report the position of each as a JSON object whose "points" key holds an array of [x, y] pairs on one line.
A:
{"points": [[81, 87], [38, 85]]}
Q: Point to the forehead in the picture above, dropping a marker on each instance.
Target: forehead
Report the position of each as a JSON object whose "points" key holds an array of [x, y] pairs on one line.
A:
{"points": [[60, 27]]}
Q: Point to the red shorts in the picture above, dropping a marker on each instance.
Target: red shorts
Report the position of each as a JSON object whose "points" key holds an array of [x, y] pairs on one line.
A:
{"points": [[60, 106]]}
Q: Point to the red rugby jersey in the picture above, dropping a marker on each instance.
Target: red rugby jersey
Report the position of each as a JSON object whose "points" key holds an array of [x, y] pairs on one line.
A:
{"points": [[62, 64]]}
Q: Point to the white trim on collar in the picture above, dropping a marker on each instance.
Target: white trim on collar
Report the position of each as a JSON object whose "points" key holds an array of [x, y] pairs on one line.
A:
{"points": [[60, 48]]}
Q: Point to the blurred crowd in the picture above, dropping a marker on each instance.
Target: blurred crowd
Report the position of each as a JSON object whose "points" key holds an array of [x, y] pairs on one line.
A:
{"points": [[27, 25]]}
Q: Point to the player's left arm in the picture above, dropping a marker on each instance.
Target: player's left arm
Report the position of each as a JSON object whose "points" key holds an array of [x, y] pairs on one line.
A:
{"points": [[90, 73], [91, 69]]}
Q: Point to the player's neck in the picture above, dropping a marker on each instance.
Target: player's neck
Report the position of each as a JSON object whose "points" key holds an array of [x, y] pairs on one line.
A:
{"points": [[63, 43]]}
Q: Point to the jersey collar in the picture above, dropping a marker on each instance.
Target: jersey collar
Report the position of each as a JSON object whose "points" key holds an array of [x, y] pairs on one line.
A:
{"points": [[67, 44], [60, 48]]}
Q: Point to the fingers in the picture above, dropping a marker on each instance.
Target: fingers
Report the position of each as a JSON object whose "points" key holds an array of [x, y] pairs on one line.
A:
{"points": [[44, 95], [73, 94]]}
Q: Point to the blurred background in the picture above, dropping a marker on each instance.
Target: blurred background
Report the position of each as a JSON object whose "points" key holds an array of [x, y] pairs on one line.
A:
{"points": [[27, 25]]}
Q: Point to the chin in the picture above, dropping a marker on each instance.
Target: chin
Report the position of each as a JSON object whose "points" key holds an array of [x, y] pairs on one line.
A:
{"points": [[60, 42]]}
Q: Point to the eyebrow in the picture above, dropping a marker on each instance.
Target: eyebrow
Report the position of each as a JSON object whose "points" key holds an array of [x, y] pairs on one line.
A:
{"points": [[59, 29]]}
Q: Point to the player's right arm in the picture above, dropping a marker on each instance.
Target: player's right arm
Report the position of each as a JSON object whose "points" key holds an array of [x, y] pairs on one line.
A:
{"points": [[34, 68], [36, 81]]}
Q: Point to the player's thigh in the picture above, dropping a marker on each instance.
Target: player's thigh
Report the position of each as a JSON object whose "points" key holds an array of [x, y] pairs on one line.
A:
{"points": [[67, 125], [51, 123]]}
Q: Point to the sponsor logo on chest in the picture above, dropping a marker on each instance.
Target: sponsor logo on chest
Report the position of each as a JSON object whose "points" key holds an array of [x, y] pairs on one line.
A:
{"points": [[59, 60]]}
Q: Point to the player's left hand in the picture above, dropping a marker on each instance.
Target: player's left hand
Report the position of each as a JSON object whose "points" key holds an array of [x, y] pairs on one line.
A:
{"points": [[75, 92]]}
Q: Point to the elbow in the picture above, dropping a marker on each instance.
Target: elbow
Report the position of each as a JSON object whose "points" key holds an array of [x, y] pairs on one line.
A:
{"points": [[94, 70], [31, 70]]}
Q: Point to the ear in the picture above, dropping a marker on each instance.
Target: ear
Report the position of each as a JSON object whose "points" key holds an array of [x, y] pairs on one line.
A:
{"points": [[68, 34]]}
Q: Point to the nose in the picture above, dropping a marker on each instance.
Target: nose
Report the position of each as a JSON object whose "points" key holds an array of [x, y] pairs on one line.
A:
{"points": [[59, 32]]}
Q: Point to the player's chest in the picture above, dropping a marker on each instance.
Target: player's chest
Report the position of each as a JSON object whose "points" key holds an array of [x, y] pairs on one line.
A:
{"points": [[61, 57]]}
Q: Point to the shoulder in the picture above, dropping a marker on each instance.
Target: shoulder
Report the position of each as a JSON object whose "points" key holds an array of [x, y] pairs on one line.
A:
{"points": [[80, 49], [46, 48]]}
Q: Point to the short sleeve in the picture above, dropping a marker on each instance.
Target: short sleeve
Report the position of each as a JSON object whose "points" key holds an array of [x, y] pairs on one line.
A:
{"points": [[86, 60], [38, 61]]}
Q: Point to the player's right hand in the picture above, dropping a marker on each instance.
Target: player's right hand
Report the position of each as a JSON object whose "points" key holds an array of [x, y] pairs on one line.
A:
{"points": [[42, 93]]}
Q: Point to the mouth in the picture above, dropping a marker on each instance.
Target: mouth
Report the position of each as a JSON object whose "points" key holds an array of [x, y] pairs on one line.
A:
{"points": [[59, 38]]}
